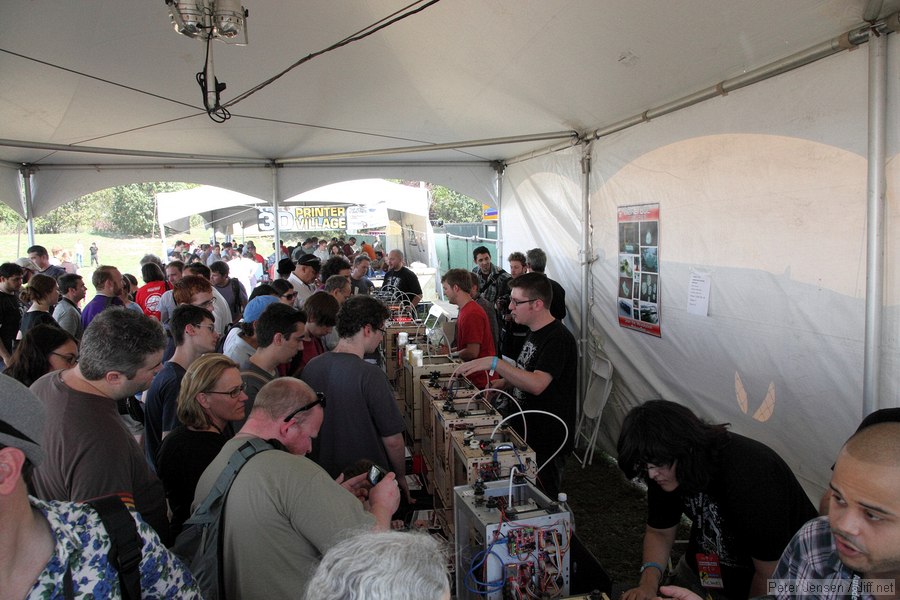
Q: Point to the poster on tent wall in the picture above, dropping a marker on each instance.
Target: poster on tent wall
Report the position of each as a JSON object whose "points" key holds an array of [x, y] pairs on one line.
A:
{"points": [[637, 297]]}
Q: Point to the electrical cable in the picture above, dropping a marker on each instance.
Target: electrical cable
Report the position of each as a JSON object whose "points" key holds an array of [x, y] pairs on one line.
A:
{"points": [[216, 112], [359, 35], [516, 402], [541, 412]]}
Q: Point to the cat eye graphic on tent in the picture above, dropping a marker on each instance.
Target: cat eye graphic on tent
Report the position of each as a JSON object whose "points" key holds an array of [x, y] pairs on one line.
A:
{"points": [[767, 407]]}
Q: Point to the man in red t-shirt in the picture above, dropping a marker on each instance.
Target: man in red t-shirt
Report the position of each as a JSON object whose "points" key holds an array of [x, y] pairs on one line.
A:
{"points": [[473, 330]]}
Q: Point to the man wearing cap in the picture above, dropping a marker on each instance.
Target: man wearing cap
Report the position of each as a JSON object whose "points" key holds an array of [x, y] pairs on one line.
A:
{"points": [[39, 256], [194, 335], [304, 277], [47, 547], [28, 268], [241, 342], [11, 308], [89, 453]]}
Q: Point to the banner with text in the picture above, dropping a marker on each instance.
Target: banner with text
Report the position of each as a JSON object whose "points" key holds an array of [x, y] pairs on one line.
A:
{"points": [[304, 218], [638, 284]]}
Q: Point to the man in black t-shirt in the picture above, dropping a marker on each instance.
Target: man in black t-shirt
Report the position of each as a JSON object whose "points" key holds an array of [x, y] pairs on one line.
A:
{"points": [[544, 377], [11, 308], [401, 278], [744, 502]]}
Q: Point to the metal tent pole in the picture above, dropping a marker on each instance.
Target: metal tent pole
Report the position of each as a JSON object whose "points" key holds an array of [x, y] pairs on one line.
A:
{"points": [[875, 222]]}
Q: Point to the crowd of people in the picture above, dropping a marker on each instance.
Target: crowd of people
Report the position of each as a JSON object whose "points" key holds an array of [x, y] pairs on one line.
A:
{"points": [[148, 391]]}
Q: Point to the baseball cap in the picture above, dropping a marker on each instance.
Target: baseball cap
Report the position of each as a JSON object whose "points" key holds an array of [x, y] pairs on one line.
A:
{"points": [[256, 307], [285, 266], [21, 419], [27, 263], [310, 260]]}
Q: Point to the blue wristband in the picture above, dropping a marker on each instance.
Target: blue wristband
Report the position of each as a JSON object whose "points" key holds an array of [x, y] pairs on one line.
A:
{"points": [[493, 366], [654, 565]]}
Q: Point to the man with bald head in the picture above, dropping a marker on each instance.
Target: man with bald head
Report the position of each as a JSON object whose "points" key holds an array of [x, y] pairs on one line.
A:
{"points": [[854, 552], [401, 278], [860, 538]]}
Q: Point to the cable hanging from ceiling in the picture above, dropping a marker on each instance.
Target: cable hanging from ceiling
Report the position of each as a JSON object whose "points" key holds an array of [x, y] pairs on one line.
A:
{"points": [[226, 21]]}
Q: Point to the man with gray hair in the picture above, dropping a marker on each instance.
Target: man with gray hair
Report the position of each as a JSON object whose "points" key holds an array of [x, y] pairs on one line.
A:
{"points": [[537, 262], [89, 453], [284, 511], [389, 565]]}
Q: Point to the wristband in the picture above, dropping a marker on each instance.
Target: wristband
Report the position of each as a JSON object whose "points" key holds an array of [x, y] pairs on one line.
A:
{"points": [[653, 565], [493, 367]]}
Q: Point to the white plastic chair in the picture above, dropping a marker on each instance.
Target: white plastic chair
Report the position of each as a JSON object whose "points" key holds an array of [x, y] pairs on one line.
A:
{"points": [[599, 389]]}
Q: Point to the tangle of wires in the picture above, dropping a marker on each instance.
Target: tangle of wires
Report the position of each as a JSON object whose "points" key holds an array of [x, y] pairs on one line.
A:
{"points": [[216, 112]]}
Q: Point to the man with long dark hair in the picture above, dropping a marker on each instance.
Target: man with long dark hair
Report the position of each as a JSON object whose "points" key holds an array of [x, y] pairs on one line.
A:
{"points": [[743, 500]]}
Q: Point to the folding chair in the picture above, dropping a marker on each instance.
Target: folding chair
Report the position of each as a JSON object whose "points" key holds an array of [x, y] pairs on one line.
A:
{"points": [[598, 391]]}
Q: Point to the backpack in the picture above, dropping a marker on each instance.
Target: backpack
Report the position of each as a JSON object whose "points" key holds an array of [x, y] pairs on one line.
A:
{"points": [[125, 545], [199, 545], [237, 305], [220, 343]]}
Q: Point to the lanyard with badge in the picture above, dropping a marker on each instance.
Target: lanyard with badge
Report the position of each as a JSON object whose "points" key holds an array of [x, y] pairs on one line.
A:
{"points": [[708, 566]]}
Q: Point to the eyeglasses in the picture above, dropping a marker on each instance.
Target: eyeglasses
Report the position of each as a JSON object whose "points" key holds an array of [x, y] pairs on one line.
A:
{"points": [[234, 393], [70, 359], [210, 327], [320, 399], [290, 295], [515, 302], [208, 304], [382, 330]]}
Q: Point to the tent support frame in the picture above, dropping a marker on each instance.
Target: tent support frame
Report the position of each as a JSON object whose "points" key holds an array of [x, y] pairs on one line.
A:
{"points": [[875, 211]]}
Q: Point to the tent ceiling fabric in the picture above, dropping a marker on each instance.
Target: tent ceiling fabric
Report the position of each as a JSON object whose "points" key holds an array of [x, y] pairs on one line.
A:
{"points": [[459, 70]]}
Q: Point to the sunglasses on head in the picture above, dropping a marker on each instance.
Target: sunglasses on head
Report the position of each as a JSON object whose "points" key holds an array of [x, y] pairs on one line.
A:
{"points": [[320, 399]]}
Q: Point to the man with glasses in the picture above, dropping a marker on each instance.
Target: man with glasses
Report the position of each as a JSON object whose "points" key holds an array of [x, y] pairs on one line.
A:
{"points": [[194, 335], [217, 305], [89, 453], [11, 308], [279, 330], [363, 420], [284, 511], [543, 378]]}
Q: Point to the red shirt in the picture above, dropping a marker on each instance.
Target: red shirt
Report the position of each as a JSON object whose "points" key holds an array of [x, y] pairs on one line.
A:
{"points": [[473, 327], [148, 297]]}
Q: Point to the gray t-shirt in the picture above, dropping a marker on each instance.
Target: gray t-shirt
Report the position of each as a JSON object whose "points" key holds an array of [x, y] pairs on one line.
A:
{"points": [[361, 410], [283, 513]]}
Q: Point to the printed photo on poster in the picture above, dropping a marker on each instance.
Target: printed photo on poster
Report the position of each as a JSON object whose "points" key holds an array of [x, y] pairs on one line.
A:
{"points": [[638, 289]]}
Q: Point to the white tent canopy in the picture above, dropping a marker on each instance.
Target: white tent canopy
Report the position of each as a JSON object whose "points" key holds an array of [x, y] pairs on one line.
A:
{"points": [[770, 148], [221, 207]]}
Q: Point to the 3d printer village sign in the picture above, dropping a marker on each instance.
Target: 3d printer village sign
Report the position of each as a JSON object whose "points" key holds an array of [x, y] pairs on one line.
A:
{"points": [[304, 218]]}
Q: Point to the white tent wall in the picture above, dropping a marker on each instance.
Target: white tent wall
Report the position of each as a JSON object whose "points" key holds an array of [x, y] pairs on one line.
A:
{"points": [[9, 188], [765, 190]]}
